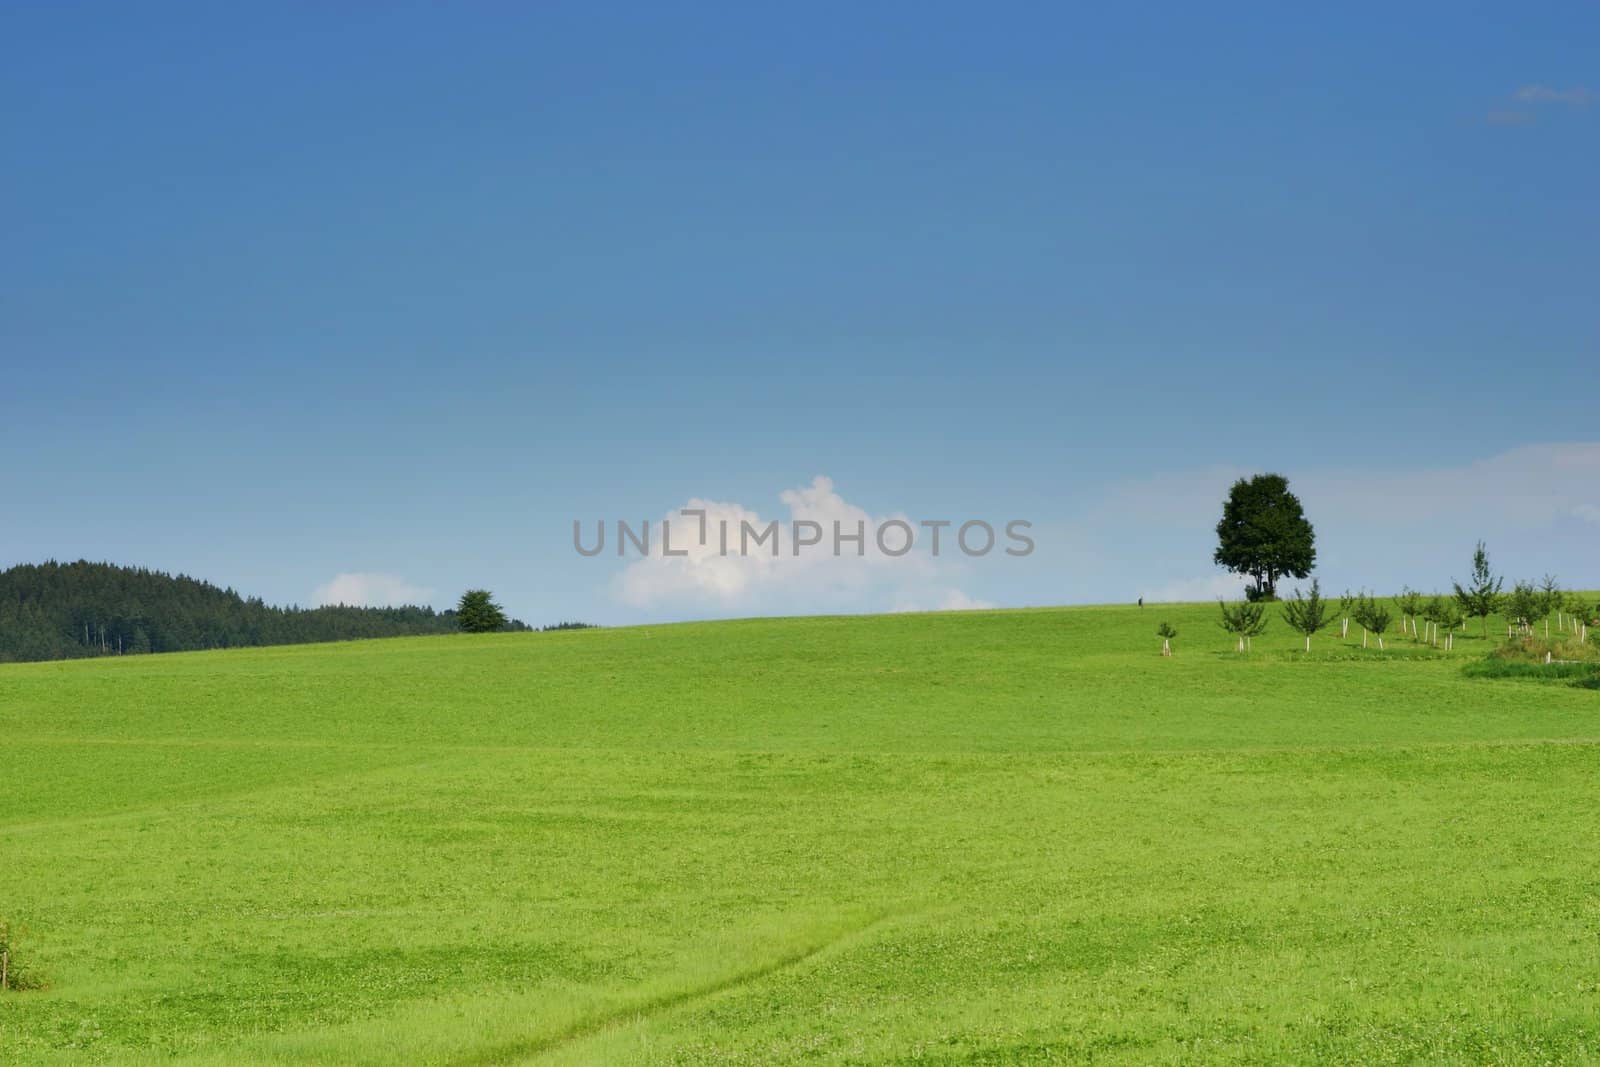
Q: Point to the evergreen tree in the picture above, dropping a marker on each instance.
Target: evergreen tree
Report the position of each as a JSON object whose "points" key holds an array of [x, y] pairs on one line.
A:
{"points": [[477, 613], [1480, 597]]}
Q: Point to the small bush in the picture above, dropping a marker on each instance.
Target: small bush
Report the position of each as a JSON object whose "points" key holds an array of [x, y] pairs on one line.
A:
{"points": [[1534, 649], [1525, 658]]}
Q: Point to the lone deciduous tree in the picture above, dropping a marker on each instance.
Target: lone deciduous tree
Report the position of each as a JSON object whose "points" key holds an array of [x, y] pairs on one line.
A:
{"points": [[1480, 597], [1247, 619], [1306, 613], [1264, 534], [477, 613]]}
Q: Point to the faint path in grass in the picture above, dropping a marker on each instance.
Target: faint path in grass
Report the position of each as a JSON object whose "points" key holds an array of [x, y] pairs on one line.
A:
{"points": [[208, 801], [645, 1007]]}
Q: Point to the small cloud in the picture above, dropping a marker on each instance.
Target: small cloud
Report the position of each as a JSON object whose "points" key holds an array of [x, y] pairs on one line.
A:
{"points": [[783, 580], [1185, 590], [1588, 513], [956, 600], [368, 590], [950, 600], [1508, 117], [1577, 96]]}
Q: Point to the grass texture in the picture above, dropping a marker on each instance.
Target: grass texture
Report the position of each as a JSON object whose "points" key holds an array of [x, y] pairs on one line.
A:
{"points": [[980, 838]]}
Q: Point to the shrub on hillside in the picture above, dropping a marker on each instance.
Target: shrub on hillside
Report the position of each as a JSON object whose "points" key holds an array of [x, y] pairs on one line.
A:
{"points": [[1531, 648]]}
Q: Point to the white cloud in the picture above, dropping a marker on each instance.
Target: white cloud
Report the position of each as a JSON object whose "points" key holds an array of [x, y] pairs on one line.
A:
{"points": [[1524, 488], [956, 600], [1208, 587], [370, 590], [1577, 95], [750, 578], [937, 600], [1588, 513]]}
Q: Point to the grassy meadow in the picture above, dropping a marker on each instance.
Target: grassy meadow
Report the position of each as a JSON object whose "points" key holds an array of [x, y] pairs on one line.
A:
{"points": [[983, 837]]}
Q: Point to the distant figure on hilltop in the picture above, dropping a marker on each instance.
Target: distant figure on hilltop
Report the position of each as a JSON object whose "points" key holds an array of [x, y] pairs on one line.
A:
{"points": [[1141, 602]]}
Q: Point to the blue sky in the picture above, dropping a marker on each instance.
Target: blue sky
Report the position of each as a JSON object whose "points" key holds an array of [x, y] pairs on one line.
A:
{"points": [[296, 291]]}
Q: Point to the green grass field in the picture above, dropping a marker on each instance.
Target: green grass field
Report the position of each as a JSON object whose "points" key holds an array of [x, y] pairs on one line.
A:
{"points": [[991, 837]]}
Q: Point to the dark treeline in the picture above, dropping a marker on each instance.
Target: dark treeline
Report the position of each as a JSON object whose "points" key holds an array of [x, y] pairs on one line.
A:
{"points": [[70, 610]]}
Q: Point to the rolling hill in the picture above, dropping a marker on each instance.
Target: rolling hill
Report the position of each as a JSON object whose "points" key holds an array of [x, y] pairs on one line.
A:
{"points": [[981, 837]]}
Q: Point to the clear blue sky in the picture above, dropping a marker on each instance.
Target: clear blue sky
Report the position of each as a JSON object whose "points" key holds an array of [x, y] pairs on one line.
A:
{"points": [[290, 291]]}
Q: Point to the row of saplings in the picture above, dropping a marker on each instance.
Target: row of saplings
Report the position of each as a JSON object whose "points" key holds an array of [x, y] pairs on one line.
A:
{"points": [[1434, 619]]}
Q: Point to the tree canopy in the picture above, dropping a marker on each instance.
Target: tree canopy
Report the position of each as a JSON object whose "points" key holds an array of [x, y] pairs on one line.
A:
{"points": [[1264, 534]]}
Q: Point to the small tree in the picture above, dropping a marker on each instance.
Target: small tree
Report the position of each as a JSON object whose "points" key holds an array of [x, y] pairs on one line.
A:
{"points": [[1306, 614], [477, 613], [1480, 597], [1247, 619], [1584, 615], [1410, 603], [1374, 617], [1440, 613], [1347, 604], [1552, 599], [1166, 631], [1433, 612], [1450, 620], [1522, 606]]}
